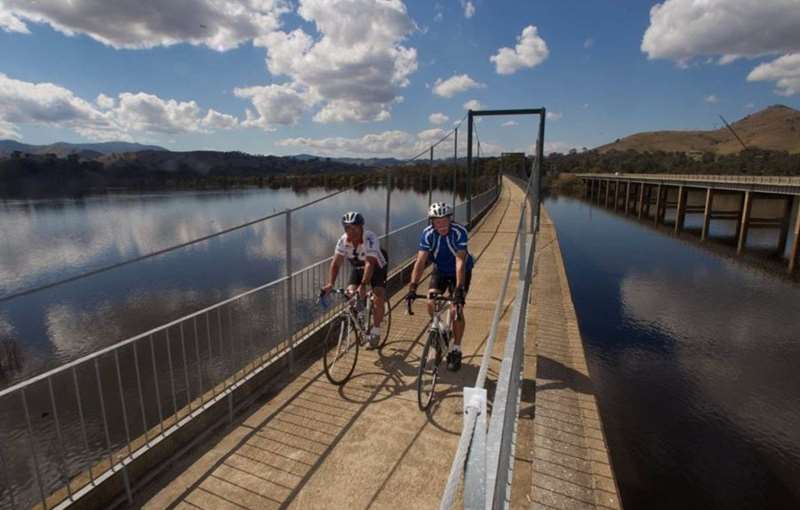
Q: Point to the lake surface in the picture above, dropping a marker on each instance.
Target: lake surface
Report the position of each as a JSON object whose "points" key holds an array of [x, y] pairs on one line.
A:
{"points": [[43, 241], [694, 357]]}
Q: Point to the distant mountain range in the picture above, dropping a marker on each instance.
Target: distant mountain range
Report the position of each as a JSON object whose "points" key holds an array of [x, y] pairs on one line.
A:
{"points": [[774, 128], [85, 150]]}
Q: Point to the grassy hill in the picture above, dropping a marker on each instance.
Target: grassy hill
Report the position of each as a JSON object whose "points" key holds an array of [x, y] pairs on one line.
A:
{"points": [[775, 128]]}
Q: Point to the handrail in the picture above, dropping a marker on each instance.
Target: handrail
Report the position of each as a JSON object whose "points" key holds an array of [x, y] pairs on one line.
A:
{"points": [[778, 180]]}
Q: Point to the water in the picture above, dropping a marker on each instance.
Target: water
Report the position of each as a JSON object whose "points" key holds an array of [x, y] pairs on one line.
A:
{"points": [[694, 357], [44, 241]]}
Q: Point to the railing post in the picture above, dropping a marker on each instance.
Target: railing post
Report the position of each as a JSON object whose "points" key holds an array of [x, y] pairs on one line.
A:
{"points": [[795, 250], [289, 291], [455, 168], [388, 209], [430, 179], [469, 167], [475, 470]]}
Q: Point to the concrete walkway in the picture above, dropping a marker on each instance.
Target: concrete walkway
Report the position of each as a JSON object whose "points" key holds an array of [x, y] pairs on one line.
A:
{"points": [[310, 444]]}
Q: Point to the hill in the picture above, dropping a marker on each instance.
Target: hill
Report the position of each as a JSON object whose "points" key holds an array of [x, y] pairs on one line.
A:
{"points": [[84, 150], [775, 128]]}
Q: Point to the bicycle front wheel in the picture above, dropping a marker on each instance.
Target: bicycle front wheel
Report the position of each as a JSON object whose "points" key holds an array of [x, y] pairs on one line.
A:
{"points": [[386, 324], [341, 350], [428, 371]]}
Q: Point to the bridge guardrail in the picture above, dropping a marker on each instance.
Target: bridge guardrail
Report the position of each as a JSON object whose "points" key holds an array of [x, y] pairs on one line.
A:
{"points": [[772, 180]]}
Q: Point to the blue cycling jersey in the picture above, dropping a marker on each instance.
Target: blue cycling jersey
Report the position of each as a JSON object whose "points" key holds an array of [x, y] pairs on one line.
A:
{"points": [[444, 248]]}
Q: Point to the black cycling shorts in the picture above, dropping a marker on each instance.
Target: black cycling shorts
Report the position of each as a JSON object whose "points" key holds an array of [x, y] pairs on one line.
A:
{"points": [[378, 274], [442, 282]]}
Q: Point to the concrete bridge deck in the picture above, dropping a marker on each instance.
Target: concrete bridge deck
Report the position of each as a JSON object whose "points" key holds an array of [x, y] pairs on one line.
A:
{"points": [[309, 444]]}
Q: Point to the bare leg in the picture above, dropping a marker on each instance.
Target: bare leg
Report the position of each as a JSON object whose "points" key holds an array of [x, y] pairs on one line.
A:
{"points": [[378, 301]]}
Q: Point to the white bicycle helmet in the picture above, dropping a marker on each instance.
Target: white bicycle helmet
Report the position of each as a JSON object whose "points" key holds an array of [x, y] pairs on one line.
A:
{"points": [[439, 210], [352, 218]]}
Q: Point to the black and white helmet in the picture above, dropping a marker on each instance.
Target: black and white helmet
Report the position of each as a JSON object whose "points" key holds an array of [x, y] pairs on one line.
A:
{"points": [[352, 218], [439, 210]]}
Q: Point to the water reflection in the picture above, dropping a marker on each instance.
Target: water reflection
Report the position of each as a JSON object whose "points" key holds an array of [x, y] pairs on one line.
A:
{"points": [[48, 240], [694, 359]]}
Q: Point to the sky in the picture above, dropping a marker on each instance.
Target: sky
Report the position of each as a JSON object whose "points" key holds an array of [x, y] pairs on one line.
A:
{"points": [[386, 77]]}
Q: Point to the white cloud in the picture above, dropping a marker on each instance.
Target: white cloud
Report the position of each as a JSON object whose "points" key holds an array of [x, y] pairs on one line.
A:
{"points": [[47, 104], [8, 130], [785, 71], [473, 104], [105, 102], [454, 85], [357, 63], [218, 24], [439, 17], [530, 51], [386, 143], [438, 118], [274, 105], [554, 116], [683, 29], [749, 106], [510, 123], [588, 43], [469, 9], [711, 98]]}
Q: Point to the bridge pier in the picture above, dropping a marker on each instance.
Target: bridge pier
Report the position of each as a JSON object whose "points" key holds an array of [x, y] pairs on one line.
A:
{"points": [[627, 196], [680, 214], [707, 214], [608, 189], [744, 224], [659, 200], [641, 199], [786, 219], [795, 251]]}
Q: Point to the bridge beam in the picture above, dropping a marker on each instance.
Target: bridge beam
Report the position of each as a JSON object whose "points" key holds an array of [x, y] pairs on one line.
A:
{"points": [[616, 195], [680, 214], [707, 213], [744, 224], [608, 189]]}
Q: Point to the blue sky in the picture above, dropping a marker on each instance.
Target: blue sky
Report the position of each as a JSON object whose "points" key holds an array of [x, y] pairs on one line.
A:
{"points": [[359, 77]]}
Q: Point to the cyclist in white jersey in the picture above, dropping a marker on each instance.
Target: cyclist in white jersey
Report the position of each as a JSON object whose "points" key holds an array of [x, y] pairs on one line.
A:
{"points": [[370, 264]]}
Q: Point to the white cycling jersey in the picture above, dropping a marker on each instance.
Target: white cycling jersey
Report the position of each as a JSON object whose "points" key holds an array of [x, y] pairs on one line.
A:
{"points": [[357, 255]]}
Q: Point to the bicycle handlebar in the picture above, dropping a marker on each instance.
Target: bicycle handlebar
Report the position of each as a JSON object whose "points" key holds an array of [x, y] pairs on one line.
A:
{"points": [[435, 297]]}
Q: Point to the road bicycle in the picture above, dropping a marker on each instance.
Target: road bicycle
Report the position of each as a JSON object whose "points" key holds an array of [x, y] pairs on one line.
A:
{"points": [[440, 334], [348, 331]]}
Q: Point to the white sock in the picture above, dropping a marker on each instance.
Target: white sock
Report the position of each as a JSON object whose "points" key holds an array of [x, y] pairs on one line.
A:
{"points": [[455, 348], [376, 331]]}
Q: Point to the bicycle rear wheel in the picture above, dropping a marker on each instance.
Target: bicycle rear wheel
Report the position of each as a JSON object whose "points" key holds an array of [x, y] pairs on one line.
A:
{"points": [[428, 372], [341, 349]]}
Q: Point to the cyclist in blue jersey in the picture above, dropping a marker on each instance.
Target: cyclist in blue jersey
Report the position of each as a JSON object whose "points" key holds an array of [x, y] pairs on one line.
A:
{"points": [[369, 262], [445, 241]]}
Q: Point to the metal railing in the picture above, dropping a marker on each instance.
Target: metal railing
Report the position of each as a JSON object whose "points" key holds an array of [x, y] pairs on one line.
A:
{"points": [[66, 430], [771, 180], [485, 450]]}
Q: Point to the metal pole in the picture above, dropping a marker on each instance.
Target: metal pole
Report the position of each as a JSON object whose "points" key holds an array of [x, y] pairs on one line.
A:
{"points": [[540, 162], [455, 168], [289, 324], [62, 450], [83, 420], [430, 179], [141, 393], [388, 210], [122, 401], [469, 167], [32, 442]]}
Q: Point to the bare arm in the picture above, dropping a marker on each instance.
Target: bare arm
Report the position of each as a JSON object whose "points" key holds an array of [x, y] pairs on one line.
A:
{"points": [[333, 271], [419, 266], [461, 267]]}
